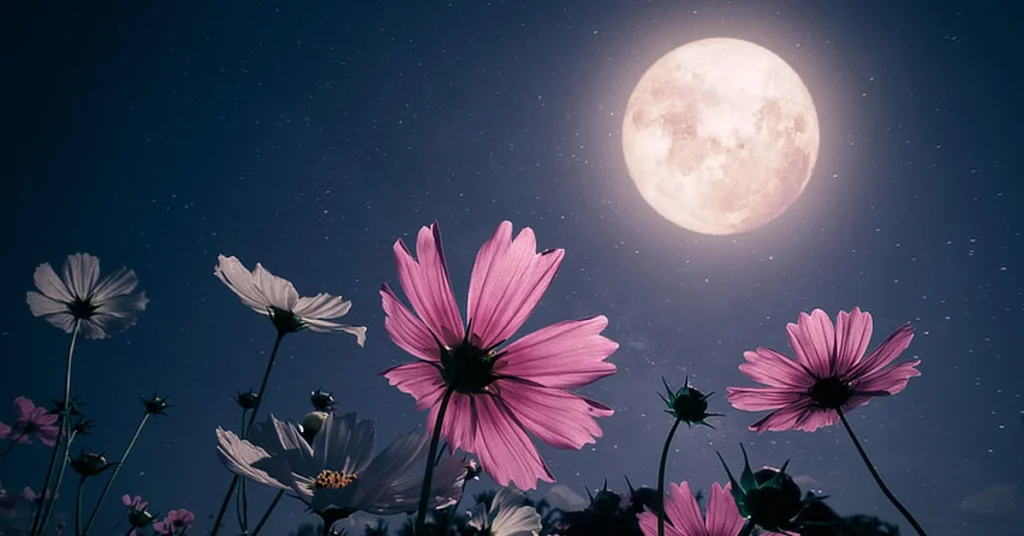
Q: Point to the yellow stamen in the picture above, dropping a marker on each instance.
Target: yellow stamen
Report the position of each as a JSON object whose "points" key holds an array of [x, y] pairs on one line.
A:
{"points": [[333, 479]]}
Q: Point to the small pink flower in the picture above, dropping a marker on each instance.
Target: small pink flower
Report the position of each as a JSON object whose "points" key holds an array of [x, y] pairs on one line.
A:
{"points": [[499, 392], [135, 503], [829, 375], [175, 522], [34, 420], [683, 517], [32, 496]]}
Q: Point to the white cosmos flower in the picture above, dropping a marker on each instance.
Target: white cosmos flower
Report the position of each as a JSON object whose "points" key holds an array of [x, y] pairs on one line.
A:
{"points": [[101, 307], [277, 298], [507, 516], [339, 474]]}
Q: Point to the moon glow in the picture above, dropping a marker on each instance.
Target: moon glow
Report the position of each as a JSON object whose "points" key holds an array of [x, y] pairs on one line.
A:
{"points": [[720, 136]]}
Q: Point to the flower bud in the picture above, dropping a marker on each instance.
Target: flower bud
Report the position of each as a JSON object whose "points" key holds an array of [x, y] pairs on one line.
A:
{"points": [[311, 425], [89, 464], [247, 400], [321, 400]]}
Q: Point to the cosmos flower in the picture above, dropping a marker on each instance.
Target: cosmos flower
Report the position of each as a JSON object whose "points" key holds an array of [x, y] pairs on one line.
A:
{"points": [[276, 297], [101, 307], [339, 474], [684, 517], [497, 394], [135, 502], [829, 375], [33, 420], [30, 495], [508, 515], [175, 522]]}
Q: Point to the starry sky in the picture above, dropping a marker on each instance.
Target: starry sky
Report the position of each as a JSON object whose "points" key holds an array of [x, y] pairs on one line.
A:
{"points": [[309, 136]]}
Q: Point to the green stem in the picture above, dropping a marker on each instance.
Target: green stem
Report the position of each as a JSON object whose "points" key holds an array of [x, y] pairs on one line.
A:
{"points": [[113, 474], [252, 420], [428, 474], [748, 529], [242, 500], [266, 515], [14, 441], [62, 429], [878, 478], [78, 506], [661, 477], [56, 485]]}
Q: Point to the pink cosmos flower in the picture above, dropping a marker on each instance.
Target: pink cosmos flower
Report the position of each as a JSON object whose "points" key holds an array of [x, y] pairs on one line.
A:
{"points": [[32, 496], [498, 394], [33, 420], [135, 503], [175, 522], [830, 373], [683, 517]]}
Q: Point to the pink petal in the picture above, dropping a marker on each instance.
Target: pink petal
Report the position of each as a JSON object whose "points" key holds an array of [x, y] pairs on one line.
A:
{"points": [[769, 367], [682, 509], [763, 398], [126, 500], [799, 416], [890, 380], [427, 285], [504, 449], [649, 524], [24, 407], [420, 379], [813, 339], [405, 330], [47, 435], [509, 277], [886, 353], [853, 333], [559, 418], [723, 517], [567, 355], [4, 430]]}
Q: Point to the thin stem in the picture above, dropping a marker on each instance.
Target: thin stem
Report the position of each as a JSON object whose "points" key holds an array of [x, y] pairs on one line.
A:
{"points": [[661, 477], [129, 533], [252, 420], [56, 485], [113, 474], [878, 478], [454, 509], [14, 441], [242, 499], [266, 515], [748, 528], [62, 428], [78, 506], [428, 473]]}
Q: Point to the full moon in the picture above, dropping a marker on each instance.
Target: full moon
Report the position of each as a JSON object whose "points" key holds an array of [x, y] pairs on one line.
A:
{"points": [[720, 136]]}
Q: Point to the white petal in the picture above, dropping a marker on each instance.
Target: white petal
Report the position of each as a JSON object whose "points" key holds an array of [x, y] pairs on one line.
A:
{"points": [[279, 291], [80, 274], [234, 274], [119, 283], [376, 490], [345, 443], [239, 456], [294, 449], [64, 321], [95, 328], [50, 285], [404, 493], [512, 517], [322, 307], [323, 326], [41, 305]]}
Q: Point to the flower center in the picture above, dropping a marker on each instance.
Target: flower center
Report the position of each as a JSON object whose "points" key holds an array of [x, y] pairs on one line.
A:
{"points": [[466, 368], [328, 479], [82, 309], [285, 321], [831, 392]]}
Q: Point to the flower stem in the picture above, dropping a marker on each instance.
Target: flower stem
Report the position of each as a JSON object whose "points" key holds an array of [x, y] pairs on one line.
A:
{"points": [[14, 441], [878, 478], [56, 486], [62, 428], [78, 506], [252, 420], [266, 515], [661, 478], [242, 500], [113, 474], [428, 473], [748, 528], [129, 533]]}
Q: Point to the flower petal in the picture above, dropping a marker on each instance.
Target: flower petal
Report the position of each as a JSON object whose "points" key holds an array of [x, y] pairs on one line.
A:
{"points": [[81, 271], [888, 380], [568, 354], [511, 516], [50, 285], [240, 456], [509, 277], [723, 518], [405, 330], [26, 408], [119, 283], [322, 307], [323, 326], [237, 277], [649, 524], [559, 418], [813, 340], [47, 435], [769, 367], [345, 443], [426, 283], [763, 398], [853, 333], [886, 353], [682, 509], [802, 415], [63, 321], [42, 305], [279, 291], [420, 379], [5, 431], [504, 449]]}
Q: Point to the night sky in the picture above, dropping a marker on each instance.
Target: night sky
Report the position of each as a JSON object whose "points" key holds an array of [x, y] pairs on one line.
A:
{"points": [[309, 136]]}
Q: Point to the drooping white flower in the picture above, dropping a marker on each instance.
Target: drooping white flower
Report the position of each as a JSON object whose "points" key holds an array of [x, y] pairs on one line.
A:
{"points": [[101, 306], [338, 475], [507, 516], [277, 298]]}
